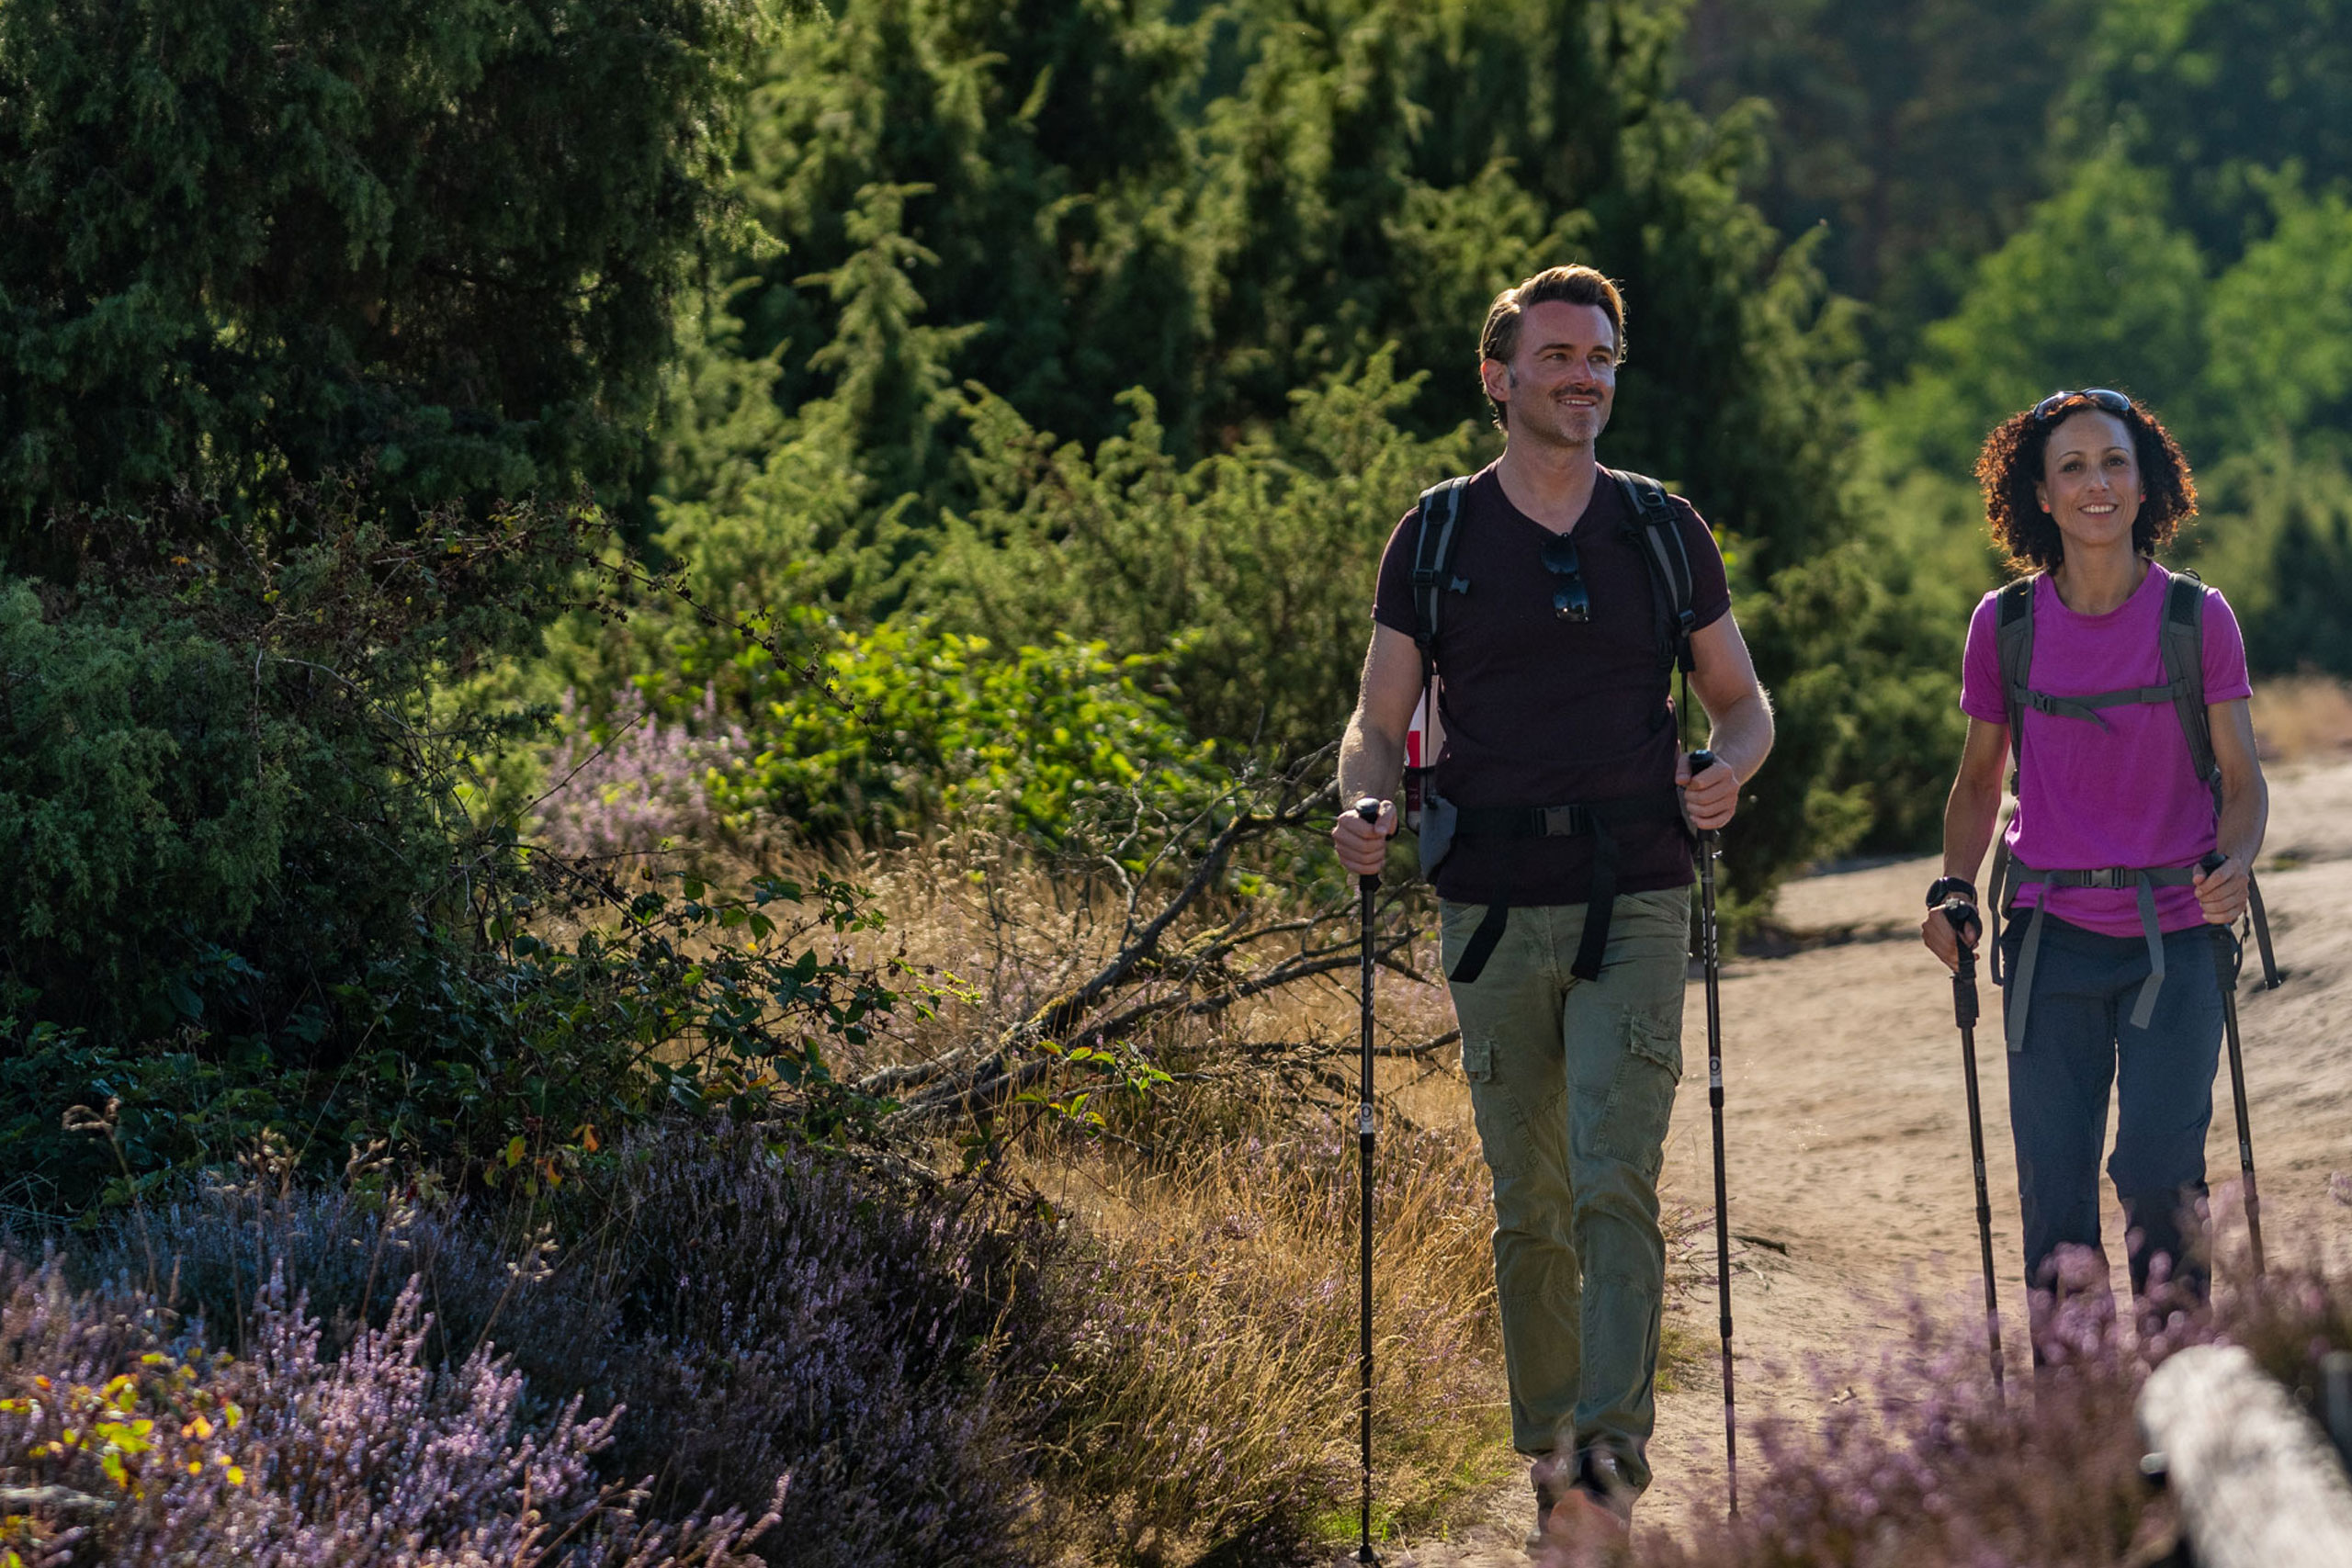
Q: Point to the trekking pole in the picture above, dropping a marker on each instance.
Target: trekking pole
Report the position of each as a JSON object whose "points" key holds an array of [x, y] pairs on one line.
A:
{"points": [[2227, 955], [1710, 961], [1961, 914], [1369, 810]]}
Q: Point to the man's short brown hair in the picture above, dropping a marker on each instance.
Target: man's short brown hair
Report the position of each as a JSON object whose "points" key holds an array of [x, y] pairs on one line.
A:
{"points": [[1568, 285]]}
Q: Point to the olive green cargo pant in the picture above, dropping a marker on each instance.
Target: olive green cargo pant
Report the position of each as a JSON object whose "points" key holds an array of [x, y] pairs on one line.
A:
{"points": [[1572, 1083]]}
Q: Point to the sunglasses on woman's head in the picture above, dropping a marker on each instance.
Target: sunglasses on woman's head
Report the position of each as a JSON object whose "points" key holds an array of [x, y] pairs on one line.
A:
{"points": [[1569, 601], [2097, 397]]}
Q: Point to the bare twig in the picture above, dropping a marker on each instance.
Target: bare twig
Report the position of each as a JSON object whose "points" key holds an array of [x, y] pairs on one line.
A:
{"points": [[61, 1499], [1153, 976]]}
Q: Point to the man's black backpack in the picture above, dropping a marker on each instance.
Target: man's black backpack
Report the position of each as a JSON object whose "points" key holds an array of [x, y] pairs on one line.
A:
{"points": [[1433, 579], [1437, 822]]}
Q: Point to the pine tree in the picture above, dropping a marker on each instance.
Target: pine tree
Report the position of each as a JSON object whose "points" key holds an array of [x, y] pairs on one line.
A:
{"points": [[242, 246]]}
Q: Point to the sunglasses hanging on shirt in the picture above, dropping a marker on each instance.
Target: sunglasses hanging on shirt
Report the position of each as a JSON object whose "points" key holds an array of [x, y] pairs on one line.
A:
{"points": [[1569, 601]]}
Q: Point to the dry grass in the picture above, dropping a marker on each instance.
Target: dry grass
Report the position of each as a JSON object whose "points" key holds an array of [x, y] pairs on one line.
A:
{"points": [[1218, 1389], [2298, 717], [1234, 1261], [1221, 1214]]}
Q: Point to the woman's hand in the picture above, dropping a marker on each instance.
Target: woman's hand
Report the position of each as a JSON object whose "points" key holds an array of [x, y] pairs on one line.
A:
{"points": [[2222, 892], [1944, 940]]}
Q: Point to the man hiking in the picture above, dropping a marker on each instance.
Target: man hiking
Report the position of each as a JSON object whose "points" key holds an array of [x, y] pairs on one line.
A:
{"points": [[1557, 833]]}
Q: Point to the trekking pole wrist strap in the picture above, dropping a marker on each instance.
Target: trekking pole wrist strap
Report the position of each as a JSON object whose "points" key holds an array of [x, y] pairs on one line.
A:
{"points": [[1943, 887]]}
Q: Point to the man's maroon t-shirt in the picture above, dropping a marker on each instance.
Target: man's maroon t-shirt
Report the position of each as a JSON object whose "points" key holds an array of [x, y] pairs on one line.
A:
{"points": [[1540, 711]]}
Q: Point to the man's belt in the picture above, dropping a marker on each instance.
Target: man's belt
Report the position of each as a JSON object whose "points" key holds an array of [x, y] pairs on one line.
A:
{"points": [[1600, 818]]}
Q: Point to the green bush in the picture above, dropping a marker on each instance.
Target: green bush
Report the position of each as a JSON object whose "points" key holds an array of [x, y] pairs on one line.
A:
{"points": [[900, 726], [493, 1063], [1254, 568], [248, 896], [1038, 741], [242, 246], [189, 824]]}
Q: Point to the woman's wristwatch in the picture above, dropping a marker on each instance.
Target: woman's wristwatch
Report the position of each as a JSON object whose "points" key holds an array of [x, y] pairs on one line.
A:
{"points": [[1943, 887]]}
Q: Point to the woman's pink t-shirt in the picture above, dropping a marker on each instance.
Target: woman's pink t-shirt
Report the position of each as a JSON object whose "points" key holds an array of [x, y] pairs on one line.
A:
{"points": [[2088, 797]]}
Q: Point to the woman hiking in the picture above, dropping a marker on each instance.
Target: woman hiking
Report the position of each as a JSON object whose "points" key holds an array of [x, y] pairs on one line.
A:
{"points": [[2129, 771]]}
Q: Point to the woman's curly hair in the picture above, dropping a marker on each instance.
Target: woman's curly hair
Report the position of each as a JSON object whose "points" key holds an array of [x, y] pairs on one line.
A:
{"points": [[2010, 465]]}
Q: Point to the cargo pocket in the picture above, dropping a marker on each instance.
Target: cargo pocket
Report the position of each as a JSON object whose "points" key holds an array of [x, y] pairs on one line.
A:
{"points": [[1478, 1058], [1656, 1036], [1501, 1119], [1641, 1099]]}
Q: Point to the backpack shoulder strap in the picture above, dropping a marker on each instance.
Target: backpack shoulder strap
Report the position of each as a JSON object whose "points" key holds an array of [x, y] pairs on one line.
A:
{"points": [[1440, 517], [1667, 556], [2181, 639], [2013, 639], [2182, 642]]}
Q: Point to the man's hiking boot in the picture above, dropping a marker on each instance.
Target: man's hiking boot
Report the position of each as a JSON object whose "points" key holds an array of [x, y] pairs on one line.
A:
{"points": [[1549, 1489], [1594, 1506], [1600, 1478]]}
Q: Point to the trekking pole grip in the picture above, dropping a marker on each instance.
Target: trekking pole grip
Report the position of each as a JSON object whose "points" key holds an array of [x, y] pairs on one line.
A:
{"points": [[1961, 914], [1368, 808], [2227, 952], [1701, 761]]}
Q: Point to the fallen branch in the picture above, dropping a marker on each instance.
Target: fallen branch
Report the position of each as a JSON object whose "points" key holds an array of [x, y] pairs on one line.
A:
{"points": [[1154, 976], [1427, 1047], [2254, 1478], [56, 1499]]}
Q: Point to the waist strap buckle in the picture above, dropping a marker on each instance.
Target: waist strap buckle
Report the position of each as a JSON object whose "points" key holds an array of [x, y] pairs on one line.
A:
{"points": [[1563, 821]]}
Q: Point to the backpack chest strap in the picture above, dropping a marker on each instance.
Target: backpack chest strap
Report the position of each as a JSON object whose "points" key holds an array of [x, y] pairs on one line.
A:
{"points": [[2087, 706]]}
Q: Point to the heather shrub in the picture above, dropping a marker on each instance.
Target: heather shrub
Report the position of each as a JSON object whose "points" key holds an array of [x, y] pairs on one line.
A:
{"points": [[1929, 1467], [349, 1249], [644, 785], [124, 1438], [752, 1306], [876, 1333], [949, 1371]]}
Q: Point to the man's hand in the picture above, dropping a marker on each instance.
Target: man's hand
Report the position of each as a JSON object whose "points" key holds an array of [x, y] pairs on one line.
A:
{"points": [[1709, 799], [1364, 846], [1943, 939], [2222, 892]]}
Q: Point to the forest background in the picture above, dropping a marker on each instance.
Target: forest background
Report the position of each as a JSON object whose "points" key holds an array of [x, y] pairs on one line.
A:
{"points": [[506, 513], [1139, 325]]}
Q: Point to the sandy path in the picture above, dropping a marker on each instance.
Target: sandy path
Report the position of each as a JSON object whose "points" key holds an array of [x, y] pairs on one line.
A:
{"points": [[1848, 1141]]}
